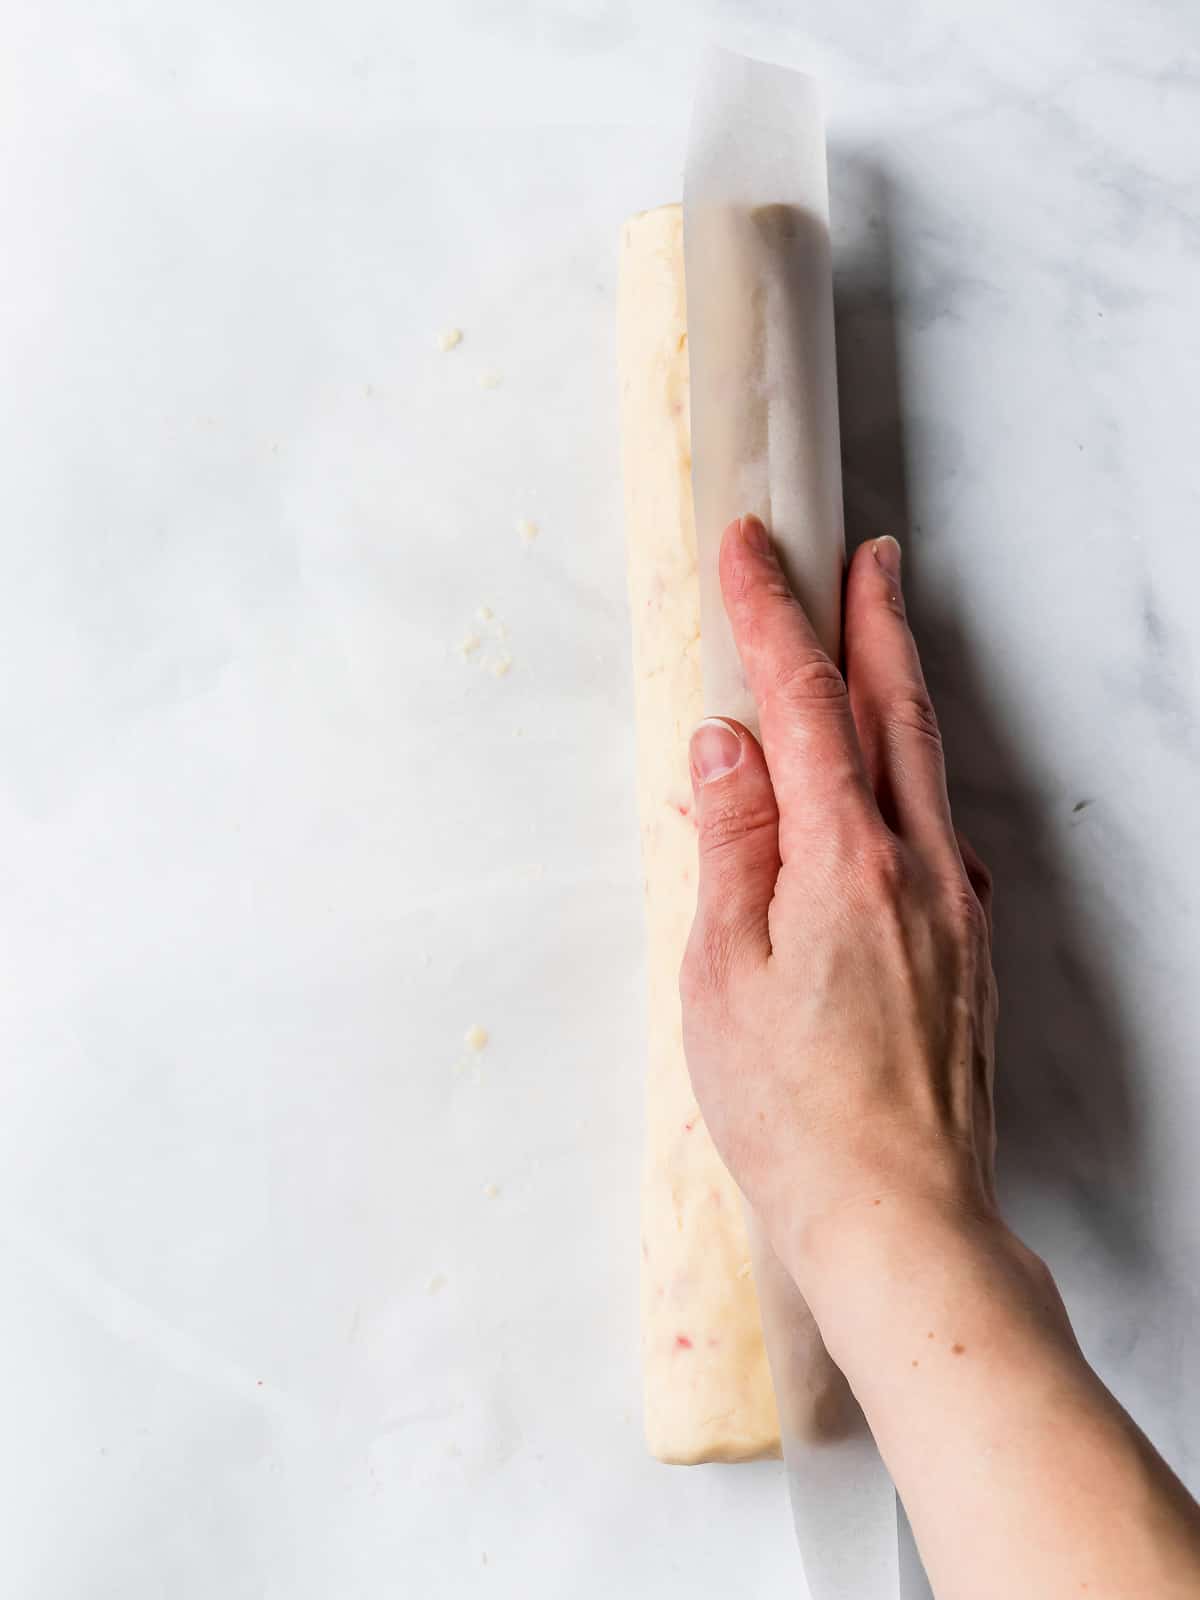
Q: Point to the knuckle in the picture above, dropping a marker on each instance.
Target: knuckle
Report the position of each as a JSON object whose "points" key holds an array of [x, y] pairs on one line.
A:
{"points": [[981, 880], [912, 713], [977, 869], [810, 677], [731, 822], [966, 915]]}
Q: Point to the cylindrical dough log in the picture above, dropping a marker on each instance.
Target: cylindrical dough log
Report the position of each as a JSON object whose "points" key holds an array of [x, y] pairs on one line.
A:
{"points": [[708, 1394]]}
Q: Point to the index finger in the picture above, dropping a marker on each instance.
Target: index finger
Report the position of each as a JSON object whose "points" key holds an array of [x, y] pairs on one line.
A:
{"points": [[808, 733]]}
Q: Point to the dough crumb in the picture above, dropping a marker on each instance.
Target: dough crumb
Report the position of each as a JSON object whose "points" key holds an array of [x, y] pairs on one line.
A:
{"points": [[475, 1037], [436, 1284], [450, 340], [484, 643], [744, 1270], [491, 1190], [528, 530], [490, 378]]}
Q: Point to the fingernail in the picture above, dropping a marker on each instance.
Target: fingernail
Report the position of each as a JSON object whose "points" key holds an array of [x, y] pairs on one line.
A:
{"points": [[887, 553], [716, 749], [756, 536]]}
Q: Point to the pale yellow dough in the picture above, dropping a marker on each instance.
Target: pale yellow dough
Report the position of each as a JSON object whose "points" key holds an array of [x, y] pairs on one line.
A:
{"points": [[708, 1394]]}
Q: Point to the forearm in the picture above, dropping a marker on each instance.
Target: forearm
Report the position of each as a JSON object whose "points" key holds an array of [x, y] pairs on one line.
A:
{"points": [[1019, 1471]]}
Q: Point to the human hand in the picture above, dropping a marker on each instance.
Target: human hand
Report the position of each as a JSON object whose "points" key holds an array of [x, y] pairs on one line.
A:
{"points": [[838, 999], [839, 1015]]}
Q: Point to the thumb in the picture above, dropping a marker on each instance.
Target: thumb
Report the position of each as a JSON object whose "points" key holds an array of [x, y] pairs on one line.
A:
{"points": [[738, 822]]}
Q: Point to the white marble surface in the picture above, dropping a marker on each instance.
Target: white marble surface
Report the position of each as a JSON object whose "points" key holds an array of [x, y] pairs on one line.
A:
{"points": [[270, 845]]}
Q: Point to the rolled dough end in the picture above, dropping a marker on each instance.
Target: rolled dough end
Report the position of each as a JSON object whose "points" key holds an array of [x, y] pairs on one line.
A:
{"points": [[717, 1443], [708, 1394]]}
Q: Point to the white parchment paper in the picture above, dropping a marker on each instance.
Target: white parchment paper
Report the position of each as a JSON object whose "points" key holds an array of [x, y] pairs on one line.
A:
{"points": [[761, 344], [765, 440]]}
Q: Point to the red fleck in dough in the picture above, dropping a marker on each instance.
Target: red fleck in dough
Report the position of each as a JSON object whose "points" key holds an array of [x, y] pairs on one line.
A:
{"points": [[682, 1342]]}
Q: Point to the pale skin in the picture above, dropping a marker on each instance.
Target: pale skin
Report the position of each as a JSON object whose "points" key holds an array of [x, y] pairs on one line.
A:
{"points": [[839, 1016]]}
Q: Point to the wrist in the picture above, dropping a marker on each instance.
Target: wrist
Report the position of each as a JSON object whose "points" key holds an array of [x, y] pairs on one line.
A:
{"points": [[879, 1271], [953, 1337]]}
